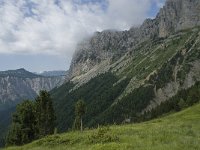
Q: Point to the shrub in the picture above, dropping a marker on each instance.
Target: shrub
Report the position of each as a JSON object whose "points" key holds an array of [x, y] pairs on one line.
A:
{"points": [[103, 135]]}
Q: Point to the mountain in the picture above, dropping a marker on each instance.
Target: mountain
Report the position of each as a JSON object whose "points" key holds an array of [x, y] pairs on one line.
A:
{"points": [[16, 85], [133, 74], [21, 73], [125, 74], [176, 131], [53, 73]]}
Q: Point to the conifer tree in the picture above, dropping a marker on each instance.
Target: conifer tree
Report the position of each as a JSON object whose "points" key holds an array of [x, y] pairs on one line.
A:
{"points": [[80, 110], [45, 116]]}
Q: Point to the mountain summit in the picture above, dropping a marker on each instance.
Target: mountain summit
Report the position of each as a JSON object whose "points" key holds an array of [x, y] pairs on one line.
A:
{"points": [[110, 45]]}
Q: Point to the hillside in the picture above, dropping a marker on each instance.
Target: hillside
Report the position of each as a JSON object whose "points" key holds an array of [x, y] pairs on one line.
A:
{"points": [[125, 74], [176, 131], [136, 83]]}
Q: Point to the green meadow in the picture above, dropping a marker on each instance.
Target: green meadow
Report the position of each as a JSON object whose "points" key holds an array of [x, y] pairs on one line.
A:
{"points": [[175, 131]]}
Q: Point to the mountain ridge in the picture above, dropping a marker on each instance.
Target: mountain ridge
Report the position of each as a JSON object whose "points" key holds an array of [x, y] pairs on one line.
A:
{"points": [[174, 16], [19, 73]]}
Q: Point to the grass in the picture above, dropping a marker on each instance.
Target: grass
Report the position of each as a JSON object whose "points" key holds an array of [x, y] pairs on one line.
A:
{"points": [[178, 131]]}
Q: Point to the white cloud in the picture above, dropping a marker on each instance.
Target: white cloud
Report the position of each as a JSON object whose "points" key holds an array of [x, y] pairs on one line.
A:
{"points": [[43, 27]]}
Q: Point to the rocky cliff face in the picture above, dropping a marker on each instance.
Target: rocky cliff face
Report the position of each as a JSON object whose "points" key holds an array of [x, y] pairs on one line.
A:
{"points": [[178, 15], [16, 85], [110, 45], [102, 46]]}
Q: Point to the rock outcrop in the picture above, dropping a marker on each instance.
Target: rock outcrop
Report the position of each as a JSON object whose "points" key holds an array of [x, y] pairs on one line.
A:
{"points": [[178, 15]]}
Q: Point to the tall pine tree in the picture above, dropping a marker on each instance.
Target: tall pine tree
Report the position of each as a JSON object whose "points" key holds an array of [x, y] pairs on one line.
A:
{"points": [[80, 110], [45, 116]]}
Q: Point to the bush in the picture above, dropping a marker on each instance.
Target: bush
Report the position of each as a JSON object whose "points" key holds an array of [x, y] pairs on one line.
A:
{"points": [[52, 141], [103, 135]]}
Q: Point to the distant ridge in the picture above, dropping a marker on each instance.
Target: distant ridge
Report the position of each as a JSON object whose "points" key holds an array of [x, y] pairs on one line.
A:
{"points": [[22, 73], [19, 84]]}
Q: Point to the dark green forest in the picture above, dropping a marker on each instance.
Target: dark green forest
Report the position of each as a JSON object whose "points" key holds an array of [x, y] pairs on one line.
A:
{"points": [[103, 109], [99, 94]]}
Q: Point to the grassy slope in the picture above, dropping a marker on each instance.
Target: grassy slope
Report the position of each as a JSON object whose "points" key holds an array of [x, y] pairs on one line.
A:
{"points": [[179, 131]]}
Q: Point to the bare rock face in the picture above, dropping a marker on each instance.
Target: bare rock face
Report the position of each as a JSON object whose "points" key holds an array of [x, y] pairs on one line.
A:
{"points": [[111, 45], [178, 15], [100, 47]]}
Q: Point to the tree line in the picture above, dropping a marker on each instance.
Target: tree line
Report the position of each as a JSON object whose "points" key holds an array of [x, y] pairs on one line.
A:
{"points": [[36, 119]]}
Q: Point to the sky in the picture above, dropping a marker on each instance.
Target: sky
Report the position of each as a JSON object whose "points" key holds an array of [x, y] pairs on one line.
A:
{"points": [[41, 35]]}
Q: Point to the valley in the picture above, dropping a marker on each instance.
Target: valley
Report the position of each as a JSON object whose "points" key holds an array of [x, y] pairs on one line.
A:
{"points": [[138, 89]]}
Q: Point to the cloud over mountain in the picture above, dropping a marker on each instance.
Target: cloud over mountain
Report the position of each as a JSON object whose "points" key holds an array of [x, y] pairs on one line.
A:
{"points": [[55, 26]]}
